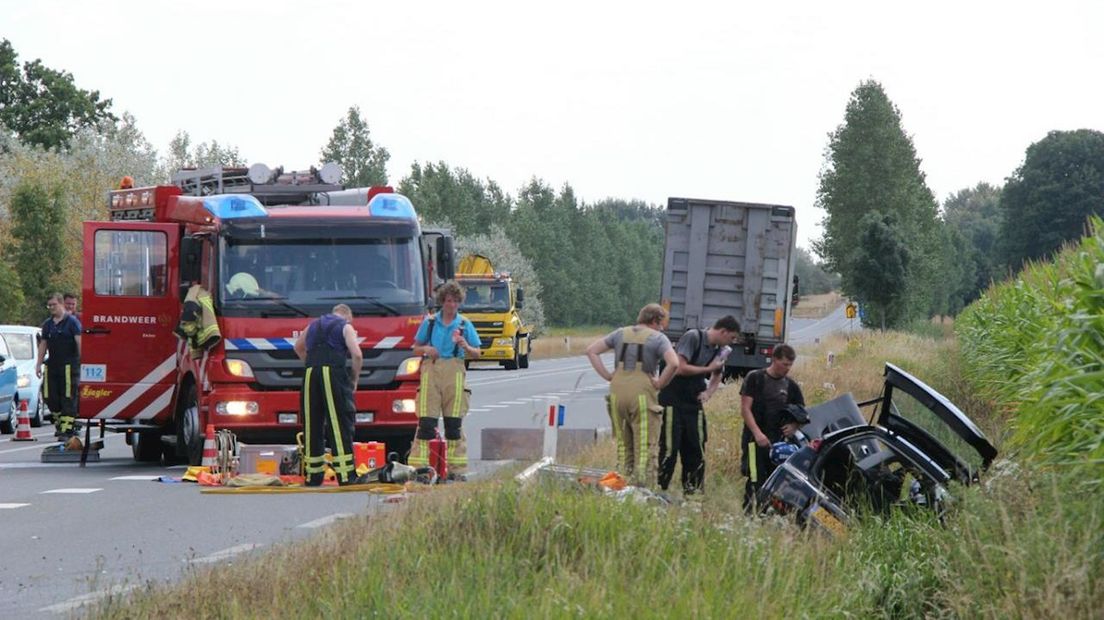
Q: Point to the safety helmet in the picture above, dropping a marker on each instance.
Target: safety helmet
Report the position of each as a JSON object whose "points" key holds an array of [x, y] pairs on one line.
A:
{"points": [[782, 450], [127, 182]]}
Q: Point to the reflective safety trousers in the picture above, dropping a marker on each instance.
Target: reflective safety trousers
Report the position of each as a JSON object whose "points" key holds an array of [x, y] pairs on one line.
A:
{"points": [[636, 419], [59, 387], [443, 392], [328, 418]]}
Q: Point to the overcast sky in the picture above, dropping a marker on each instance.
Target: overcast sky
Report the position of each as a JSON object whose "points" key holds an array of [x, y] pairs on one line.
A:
{"points": [[626, 99]]}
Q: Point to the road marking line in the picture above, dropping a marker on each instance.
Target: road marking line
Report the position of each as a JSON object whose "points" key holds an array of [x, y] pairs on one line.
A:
{"points": [[144, 478], [513, 402], [477, 410], [11, 506], [78, 601], [224, 554], [72, 490], [325, 520], [497, 406]]}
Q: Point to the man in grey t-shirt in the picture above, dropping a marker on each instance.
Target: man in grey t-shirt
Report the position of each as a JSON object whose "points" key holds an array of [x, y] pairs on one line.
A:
{"points": [[633, 407], [763, 397]]}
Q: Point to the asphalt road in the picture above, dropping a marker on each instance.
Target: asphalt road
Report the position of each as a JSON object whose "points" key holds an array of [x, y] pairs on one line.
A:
{"points": [[70, 535]]}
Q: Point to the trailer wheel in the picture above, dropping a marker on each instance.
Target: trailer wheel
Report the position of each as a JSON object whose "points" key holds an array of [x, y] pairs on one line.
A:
{"points": [[189, 434]]}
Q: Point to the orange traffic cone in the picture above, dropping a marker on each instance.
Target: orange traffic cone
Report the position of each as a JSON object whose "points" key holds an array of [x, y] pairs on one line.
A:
{"points": [[210, 456], [23, 431]]}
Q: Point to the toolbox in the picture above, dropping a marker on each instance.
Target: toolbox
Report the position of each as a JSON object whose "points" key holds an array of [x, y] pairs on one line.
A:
{"points": [[269, 459], [372, 454]]}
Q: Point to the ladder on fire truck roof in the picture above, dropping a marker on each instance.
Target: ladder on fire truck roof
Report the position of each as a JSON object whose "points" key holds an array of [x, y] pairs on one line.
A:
{"points": [[279, 188]]}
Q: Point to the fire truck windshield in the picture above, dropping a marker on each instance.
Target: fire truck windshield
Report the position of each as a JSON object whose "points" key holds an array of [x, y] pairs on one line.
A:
{"points": [[307, 277]]}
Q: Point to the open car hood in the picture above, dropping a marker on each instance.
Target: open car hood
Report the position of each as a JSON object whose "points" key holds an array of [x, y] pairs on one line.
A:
{"points": [[895, 417]]}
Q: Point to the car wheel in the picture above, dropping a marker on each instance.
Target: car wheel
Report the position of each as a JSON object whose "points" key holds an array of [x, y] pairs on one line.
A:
{"points": [[36, 421], [513, 364], [8, 427]]}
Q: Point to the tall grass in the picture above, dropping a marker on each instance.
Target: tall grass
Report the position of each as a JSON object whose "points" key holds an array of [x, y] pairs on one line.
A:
{"points": [[1026, 543], [1036, 345]]}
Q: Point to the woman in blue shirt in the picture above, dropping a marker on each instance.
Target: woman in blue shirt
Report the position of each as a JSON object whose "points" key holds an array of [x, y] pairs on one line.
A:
{"points": [[444, 340]]}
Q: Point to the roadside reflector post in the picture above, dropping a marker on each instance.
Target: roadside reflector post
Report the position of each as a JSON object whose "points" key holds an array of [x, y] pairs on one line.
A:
{"points": [[551, 431]]}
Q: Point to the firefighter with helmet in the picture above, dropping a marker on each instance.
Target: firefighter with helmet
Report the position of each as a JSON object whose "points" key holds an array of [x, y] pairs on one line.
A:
{"points": [[327, 394], [444, 340]]}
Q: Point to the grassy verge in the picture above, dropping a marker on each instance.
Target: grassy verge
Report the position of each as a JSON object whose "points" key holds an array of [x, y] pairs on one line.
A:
{"points": [[1022, 544], [816, 306], [566, 341]]}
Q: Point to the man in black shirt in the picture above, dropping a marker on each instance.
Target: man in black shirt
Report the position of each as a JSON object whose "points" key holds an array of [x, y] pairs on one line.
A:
{"points": [[763, 397], [684, 430], [61, 334]]}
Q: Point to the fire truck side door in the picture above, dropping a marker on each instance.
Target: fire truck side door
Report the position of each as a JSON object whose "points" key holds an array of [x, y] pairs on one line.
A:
{"points": [[131, 303]]}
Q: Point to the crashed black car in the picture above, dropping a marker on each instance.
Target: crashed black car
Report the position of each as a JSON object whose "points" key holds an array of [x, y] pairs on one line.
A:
{"points": [[900, 449]]}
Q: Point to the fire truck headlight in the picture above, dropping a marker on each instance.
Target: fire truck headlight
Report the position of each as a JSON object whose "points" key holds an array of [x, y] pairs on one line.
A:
{"points": [[239, 368], [409, 366], [237, 407], [23, 381], [405, 405]]}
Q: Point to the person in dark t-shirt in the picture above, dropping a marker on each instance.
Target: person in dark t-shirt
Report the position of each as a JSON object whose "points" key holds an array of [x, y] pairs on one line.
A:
{"points": [[60, 336], [763, 397]]}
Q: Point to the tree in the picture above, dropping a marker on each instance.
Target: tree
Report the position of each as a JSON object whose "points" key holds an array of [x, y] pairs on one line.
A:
{"points": [[974, 214], [182, 154], [439, 193], [363, 163], [11, 295], [881, 268], [42, 105], [871, 166], [39, 248], [812, 275], [1047, 200]]}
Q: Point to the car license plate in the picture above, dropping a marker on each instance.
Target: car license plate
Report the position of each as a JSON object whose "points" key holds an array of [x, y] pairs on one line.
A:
{"points": [[829, 521]]}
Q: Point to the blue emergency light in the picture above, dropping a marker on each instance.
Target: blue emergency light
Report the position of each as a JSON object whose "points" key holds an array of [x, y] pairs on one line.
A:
{"points": [[391, 205], [230, 206]]}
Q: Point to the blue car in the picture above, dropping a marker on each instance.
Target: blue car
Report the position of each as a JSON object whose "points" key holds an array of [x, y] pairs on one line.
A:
{"points": [[23, 343], [9, 398]]}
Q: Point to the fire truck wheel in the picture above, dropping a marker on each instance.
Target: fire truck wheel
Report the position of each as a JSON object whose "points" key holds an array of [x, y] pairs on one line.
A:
{"points": [[189, 433], [146, 447]]}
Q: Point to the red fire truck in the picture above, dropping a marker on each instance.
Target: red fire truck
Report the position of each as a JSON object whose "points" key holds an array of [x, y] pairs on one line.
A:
{"points": [[304, 244]]}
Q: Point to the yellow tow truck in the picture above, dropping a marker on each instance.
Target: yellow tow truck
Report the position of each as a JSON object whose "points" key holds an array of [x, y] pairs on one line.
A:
{"points": [[491, 302]]}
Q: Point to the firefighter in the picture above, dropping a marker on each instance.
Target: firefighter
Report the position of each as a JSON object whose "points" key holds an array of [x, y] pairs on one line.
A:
{"points": [[684, 429], [633, 408], [764, 396], [61, 333], [444, 340], [327, 393]]}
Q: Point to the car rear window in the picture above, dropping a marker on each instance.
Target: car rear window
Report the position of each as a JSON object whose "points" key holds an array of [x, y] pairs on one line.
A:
{"points": [[20, 345], [912, 410]]}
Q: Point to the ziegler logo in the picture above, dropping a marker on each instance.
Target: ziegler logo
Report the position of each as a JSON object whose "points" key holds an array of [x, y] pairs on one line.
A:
{"points": [[88, 391]]}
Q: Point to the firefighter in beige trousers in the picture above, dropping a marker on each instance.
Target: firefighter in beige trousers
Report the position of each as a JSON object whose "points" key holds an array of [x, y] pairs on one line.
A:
{"points": [[444, 340], [635, 414]]}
